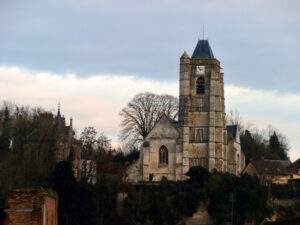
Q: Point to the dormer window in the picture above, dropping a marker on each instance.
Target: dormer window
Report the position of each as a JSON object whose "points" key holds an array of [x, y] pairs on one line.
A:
{"points": [[200, 86]]}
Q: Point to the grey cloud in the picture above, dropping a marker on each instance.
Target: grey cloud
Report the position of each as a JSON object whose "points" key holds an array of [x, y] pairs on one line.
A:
{"points": [[256, 41]]}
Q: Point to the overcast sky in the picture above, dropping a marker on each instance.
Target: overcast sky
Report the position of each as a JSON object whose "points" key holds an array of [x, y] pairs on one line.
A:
{"points": [[100, 53]]}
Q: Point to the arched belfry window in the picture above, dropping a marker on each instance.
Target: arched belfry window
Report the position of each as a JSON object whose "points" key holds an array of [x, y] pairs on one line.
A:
{"points": [[200, 86], [163, 155]]}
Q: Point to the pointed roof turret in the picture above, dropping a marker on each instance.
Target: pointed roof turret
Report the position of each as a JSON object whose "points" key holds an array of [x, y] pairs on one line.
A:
{"points": [[60, 119], [185, 55], [203, 50], [58, 110]]}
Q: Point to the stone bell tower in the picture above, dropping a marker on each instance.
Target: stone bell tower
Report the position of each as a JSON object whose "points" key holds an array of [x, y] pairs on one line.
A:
{"points": [[202, 110]]}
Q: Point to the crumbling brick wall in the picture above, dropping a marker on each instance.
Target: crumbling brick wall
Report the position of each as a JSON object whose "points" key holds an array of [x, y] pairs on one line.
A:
{"points": [[32, 207]]}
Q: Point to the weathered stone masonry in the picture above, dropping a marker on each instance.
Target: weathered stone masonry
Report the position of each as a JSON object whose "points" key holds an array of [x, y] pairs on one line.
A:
{"points": [[200, 137]]}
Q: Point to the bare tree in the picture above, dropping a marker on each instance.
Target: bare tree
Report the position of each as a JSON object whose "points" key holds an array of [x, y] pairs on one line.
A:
{"points": [[103, 143], [88, 140], [142, 113], [234, 118], [93, 145]]}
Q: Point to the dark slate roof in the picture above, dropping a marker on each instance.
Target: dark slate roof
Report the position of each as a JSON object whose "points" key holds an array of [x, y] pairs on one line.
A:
{"points": [[295, 166], [203, 50], [267, 166], [232, 130]]}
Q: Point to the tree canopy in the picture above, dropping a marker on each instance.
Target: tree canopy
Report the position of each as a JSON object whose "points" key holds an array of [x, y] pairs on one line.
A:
{"points": [[168, 202], [142, 113], [28, 137], [256, 146], [27, 141], [5, 137], [267, 143]]}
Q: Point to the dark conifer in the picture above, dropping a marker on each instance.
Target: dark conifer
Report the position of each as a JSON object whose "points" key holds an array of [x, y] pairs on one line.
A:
{"points": [[276, 148], [5, 137]]}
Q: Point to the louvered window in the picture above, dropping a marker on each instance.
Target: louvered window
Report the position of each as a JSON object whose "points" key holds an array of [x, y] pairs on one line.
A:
{"points": [[200, 86]]}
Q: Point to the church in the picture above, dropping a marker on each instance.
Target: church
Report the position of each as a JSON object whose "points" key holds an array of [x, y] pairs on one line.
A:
{"points": [[200, 137]]}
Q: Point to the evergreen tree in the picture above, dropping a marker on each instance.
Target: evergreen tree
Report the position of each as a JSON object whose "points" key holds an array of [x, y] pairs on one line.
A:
{"points": [[76, 204], [252, 147], [246, 145], [6, 132], [276, 148]]}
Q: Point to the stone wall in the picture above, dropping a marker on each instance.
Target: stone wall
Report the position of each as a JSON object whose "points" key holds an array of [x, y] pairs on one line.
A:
{"points": [[163, 134], [235, 156], [134, 172]]}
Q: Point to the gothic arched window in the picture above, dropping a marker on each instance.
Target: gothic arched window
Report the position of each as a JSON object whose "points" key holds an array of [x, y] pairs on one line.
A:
{"points": [[200, 86], [163, 155]]}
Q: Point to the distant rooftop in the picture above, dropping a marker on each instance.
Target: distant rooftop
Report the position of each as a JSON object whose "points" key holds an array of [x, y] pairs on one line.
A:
{"points": [[267, 166], [232, 130], [295, 166], [203, 50]]}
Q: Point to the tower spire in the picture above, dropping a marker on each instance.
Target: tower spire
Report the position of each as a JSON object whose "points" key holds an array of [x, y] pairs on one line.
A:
{"points": [[58, 109], [203, 50]]}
